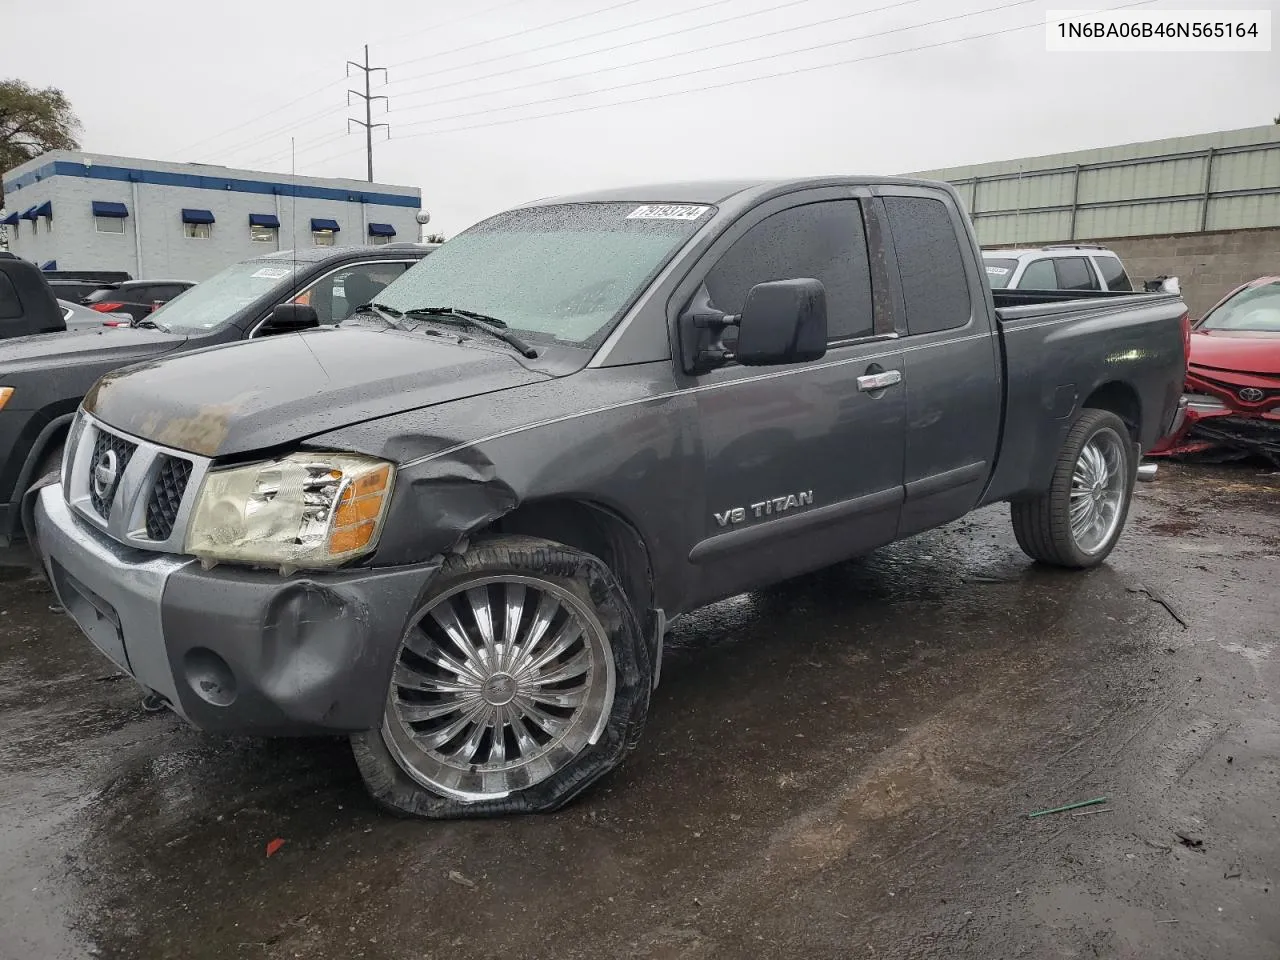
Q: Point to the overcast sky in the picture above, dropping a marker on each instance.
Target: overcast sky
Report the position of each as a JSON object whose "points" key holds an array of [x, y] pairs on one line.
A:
{"points": [[231, 82]]}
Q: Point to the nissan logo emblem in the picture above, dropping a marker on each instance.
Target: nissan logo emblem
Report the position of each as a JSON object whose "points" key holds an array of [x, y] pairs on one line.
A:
{"points": [[105, 473], [1251, 394]]}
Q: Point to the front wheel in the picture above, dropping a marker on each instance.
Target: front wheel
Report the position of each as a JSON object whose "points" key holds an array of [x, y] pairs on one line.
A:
{"points": [[521, 679], [1077, 522]]}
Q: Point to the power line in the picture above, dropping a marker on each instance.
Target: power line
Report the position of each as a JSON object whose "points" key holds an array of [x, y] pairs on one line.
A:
{"points": [[368, 99], [561, 43], [262, 116], [700, 50], [719, 67], [331, 83], [770, 76], [521, 33], [724, 66], [448, 23], [256, 139]]}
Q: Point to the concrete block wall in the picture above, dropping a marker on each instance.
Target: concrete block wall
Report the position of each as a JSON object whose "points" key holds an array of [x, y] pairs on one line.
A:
{"points": [[1207, 265]]}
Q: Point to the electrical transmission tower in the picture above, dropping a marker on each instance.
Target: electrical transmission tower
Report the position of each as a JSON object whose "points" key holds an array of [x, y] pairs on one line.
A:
{"points": [[368, 99]]}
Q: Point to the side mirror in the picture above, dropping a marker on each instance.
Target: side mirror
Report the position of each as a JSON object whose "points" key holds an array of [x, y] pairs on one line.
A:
{"points": [[782, 321], [290, 318]]}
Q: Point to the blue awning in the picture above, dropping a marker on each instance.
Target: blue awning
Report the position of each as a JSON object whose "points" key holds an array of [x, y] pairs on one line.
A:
{"points": [[30, 213], [264, 220], [381, 230], [45, 209], [12, 219], [196, 216], [109, 208], [320, 223], [49, 265]]}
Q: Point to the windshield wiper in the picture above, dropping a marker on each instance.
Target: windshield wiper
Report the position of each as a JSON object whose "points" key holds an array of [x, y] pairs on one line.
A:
{"points": [[150, 324], [388, 315], [469, 318]]}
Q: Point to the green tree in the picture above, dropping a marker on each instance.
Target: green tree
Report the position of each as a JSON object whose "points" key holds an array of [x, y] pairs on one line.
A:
{"points": [[33, 122]]}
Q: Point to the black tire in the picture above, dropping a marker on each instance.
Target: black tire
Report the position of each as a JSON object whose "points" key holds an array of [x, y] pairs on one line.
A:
{"points": [[1042, 525], [588, 579]]}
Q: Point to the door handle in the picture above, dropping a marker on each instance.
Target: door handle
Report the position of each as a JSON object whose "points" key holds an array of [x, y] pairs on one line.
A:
{"points": [[874, 382]]}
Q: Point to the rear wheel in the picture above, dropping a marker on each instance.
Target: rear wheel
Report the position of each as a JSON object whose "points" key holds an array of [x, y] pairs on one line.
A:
{"points": [[519, 681], [1077, 522]]}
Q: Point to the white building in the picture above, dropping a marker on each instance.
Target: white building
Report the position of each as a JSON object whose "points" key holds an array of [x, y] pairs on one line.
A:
{"points": [[70, 210]]}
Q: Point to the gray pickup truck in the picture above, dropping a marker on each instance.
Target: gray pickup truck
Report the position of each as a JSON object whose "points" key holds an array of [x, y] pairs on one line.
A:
{"points": [[455, 527]]}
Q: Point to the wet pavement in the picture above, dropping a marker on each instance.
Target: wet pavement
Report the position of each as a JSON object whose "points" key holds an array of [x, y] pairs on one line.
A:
{"points": [[840, 766]]}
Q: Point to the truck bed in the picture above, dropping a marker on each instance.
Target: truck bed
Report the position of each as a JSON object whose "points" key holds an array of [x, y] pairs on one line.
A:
{"points": [[1051, 350]]}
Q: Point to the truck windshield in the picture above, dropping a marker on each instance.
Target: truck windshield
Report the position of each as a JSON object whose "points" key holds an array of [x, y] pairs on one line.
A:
{"points": [[999, 272], [1256, 309], [211, 303], [564, 272]]}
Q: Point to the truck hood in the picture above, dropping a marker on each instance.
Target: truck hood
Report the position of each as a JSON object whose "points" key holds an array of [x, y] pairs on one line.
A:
{"points": [[70, 347], [1243, 351], [280, 390]]}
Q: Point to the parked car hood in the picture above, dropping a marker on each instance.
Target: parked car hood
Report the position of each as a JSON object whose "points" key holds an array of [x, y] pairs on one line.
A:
{"points": [[279, 390], [1245, 351], [74, 346]]}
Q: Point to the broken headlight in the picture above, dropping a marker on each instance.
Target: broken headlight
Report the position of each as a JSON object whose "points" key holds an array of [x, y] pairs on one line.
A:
{"points": [[304, 510]]}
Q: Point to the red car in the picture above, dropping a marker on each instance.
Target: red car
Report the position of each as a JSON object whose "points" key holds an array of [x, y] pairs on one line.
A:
{"points": [[1233, 377]]}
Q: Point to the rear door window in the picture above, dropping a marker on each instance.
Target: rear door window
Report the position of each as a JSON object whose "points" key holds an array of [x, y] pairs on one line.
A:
{"points": [[1113, 273], [824, 241], [931, 264], [1075, 273], [1039, 275]]}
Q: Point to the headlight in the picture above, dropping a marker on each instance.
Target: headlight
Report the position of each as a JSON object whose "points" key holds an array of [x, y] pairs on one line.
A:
{"points": [[305, 510]]}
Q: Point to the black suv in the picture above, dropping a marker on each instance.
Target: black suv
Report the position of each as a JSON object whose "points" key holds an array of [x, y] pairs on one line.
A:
{"points": [[135, 298], [48, 375]]}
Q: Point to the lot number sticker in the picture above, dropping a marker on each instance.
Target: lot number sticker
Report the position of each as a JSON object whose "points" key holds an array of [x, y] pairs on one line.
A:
{"points": [[997, 271], [667, 211], [270, 273]]}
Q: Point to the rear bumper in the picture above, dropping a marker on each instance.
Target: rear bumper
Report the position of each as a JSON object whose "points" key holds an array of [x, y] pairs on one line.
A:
{"points": [[231, 649]]}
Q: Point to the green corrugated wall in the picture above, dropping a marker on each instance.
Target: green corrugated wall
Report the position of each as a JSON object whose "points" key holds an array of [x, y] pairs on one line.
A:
{"points": [[1216, 181]]}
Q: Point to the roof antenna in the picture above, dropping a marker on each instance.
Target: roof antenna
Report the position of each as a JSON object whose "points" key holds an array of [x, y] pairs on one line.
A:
{"points": [[293, 211]]}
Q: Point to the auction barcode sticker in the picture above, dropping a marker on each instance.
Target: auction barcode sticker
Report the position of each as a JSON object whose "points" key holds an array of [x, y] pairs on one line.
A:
{"points": [[1158, 31], [668, 211]]}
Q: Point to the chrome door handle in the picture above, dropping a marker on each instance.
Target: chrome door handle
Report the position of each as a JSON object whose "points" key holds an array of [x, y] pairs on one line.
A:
{"points": [[873, 382]]}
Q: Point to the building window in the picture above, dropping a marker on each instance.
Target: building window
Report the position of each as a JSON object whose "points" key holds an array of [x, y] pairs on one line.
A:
{"points": [[378, 241], [198, 231], [323, 238], [259, 234], [108, 224]]}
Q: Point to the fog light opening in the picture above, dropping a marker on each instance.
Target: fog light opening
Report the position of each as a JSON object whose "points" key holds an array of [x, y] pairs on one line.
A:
{"points": [[209, 676]]}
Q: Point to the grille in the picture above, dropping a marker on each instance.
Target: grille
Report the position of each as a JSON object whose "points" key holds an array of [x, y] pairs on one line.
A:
{"points": [[101, 495], [166, 496]]}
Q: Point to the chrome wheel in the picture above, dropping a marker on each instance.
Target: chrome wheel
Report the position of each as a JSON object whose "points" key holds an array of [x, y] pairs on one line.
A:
{"points": [[500, 683], [1099, 484]]}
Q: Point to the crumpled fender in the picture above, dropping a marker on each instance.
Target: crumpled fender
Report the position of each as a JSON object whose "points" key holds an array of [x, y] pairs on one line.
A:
{"points": [[438, 503]]}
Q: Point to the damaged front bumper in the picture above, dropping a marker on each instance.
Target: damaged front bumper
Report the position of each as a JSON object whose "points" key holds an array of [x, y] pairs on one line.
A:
{"points": [[232, 649], [1221, 431]]}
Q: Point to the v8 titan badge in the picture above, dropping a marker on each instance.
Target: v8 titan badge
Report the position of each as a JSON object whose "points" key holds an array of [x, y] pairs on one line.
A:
{"points": [[668, 211]]}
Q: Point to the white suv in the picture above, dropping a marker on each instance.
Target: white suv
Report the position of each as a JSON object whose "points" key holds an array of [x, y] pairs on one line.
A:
{"points": [[1060, 266]]}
